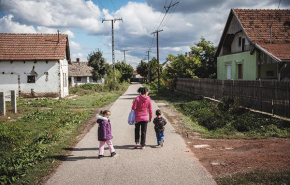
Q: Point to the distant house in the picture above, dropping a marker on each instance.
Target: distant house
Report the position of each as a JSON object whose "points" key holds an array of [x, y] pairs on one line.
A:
{"points": [[80, 73], [34, 65], [255, 44]]}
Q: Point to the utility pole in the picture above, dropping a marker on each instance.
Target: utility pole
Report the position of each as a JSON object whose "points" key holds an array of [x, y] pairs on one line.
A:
{"points": [[113, 51], [157, 31], [148, 75], [124, 55]]}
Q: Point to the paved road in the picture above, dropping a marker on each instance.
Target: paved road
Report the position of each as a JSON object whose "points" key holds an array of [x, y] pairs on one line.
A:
{"points": [[154, 165]]}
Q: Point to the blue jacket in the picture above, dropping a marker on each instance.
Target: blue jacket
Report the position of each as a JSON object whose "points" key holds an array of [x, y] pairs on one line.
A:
{"points": [[104, 129]]}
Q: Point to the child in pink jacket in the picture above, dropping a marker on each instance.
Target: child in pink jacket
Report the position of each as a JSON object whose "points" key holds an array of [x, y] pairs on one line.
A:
{"points": [[142, 107]]}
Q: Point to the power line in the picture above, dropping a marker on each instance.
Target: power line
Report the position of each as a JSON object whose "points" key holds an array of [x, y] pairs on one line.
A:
{"points": [[101, 4], [93, 11], [114, 5], [171, 13]]}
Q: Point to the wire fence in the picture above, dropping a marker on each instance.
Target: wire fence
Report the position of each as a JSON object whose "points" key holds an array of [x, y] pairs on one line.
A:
{"points": [[267, 96]]}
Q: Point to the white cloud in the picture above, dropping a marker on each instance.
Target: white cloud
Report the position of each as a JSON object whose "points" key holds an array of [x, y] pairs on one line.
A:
{"points": [[8, 26], [42, 29], [75, 45], [69, 33], [78, 55], [55, 13], [189, 24]]}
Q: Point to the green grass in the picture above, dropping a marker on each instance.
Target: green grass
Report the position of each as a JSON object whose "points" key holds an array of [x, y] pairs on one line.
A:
{"points": [[257, 177], [32, 139], [225, 120]]}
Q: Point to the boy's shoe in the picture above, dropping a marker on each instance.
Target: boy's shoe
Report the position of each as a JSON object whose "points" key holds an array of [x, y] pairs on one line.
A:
{"points": [[112, 154], [161, 143], [100, 156]]}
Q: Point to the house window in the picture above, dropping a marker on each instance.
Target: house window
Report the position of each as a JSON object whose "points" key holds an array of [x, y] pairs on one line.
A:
{"points": [[229, 72], [240, 71], [243, 44], [31, 79], [240, 41], [79, 79], [269, 73]]}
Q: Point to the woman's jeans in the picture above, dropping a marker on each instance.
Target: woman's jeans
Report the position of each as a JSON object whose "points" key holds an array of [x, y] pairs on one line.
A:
{"points": [[143, 125]]}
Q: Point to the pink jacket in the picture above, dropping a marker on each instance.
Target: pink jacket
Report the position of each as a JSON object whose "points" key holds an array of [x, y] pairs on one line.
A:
{"points": [[141, 106]]}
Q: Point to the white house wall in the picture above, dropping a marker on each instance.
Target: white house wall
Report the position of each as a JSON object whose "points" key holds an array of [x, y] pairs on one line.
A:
{"points": [[46, 82], [235, 48]]}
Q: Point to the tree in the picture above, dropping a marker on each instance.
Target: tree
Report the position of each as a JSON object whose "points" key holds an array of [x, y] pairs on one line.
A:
{"points": [[205, 51], [96, 60], [126, 70], [142, 69], [181, 67]]}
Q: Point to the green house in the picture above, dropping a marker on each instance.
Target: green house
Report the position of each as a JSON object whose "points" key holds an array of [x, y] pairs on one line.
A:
{"points": [[255, 45]]}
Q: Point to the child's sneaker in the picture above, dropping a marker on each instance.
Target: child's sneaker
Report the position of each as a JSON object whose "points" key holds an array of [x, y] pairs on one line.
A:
{"points": [[100, 156], [161, 143], [112, 154]]}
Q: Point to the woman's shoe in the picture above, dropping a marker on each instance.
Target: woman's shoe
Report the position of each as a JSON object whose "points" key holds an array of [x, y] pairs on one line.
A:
{"points": [[136, 146], [143, 147]]}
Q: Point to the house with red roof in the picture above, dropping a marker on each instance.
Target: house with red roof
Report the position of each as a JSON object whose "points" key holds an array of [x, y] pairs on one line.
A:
{"points": [[255, 45], [34, 65], [80, 73]]}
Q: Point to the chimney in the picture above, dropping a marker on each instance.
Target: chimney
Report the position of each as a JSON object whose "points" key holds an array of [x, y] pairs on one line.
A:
{"points": [[78, 60], [185, 54], [189, 54]]}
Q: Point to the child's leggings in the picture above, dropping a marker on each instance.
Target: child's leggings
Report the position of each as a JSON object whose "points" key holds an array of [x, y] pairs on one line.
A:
{"points": [[102, 147]]}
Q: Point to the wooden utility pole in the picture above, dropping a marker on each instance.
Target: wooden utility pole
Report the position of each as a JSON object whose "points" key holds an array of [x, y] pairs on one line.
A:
{"points": [[124, 55], [148, 76], [157, 31], [113, 51]]}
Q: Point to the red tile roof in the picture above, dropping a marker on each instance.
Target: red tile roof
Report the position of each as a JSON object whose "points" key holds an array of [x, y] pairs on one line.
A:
{"points": [[79, 69], [257, 25], [33, 46]]}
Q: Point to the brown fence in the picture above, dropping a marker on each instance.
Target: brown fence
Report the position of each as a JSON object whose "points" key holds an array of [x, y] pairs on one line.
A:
{"points": [[268, 96]]}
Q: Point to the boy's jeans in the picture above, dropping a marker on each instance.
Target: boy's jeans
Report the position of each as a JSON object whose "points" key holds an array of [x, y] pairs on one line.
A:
{"points": [[160, 137]]}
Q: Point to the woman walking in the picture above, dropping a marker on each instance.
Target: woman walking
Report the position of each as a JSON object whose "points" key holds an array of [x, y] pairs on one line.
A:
{"points": [[142, 106]]}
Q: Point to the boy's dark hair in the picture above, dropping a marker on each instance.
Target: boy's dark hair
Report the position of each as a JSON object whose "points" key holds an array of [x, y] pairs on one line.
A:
{"points": [[142, 90], [158, 112]]}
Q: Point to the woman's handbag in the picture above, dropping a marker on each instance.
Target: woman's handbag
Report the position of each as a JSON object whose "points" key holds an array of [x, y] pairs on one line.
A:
{"points": [[131, 118]]}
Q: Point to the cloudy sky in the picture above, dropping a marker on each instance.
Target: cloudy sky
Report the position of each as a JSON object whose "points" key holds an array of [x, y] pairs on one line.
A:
{"points": [[183, 23]]}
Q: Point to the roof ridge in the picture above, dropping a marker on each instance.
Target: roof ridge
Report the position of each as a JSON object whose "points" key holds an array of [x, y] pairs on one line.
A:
{"points": [[32, 34]]}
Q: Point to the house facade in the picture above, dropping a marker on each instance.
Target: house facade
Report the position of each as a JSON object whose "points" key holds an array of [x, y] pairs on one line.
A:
{"points": [[80, 73], [34, 65], [255, 45]]}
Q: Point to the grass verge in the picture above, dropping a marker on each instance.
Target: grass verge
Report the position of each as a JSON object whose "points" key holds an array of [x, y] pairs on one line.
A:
{"points": [[32, 139]]}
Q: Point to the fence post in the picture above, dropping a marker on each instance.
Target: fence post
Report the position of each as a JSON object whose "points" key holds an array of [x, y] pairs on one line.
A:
{"points": [[13, 101], [2, 104]]}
